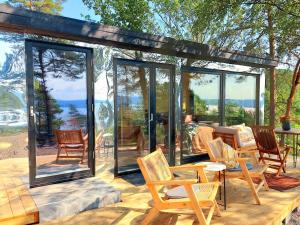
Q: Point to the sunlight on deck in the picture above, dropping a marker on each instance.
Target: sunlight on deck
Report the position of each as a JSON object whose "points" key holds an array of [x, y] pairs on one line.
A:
{"points": [[241, 208]]}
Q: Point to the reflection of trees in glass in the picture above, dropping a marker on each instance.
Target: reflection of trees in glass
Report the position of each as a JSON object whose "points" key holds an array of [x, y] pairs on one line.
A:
{"points": [[104, 112], [9, 101], [77, 120], [53, 64], [236, 114], [200, 107], [41, 113], [198, 79], [132, 94]]}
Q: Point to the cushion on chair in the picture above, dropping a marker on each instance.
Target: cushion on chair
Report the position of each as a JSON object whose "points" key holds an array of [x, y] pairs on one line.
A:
{"points": [[202, 190], [229, 154], [239, 127], [238, 168]]}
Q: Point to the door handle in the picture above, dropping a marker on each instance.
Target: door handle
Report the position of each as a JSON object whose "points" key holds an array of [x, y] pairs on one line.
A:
{"points": [[31, 111], [151, 117]]}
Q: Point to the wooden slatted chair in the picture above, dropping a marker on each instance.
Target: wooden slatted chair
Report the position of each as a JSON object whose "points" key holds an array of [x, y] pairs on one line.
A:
{"points": [[216, 154], [72, 142], [157, 174], [268, 146]]}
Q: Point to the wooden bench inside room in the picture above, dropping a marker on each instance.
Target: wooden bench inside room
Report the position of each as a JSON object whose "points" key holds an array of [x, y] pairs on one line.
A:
{"points": [[16, 204]]}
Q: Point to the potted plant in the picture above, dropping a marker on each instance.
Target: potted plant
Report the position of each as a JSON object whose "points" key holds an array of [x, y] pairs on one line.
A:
{"points": [[285, 122]]}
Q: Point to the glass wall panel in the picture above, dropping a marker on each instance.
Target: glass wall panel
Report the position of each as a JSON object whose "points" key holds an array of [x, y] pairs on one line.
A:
{"points": [[162, 109], [132, 107], [13, 107], [60, 111], [240, 99], [104, 111], [200, 107]]}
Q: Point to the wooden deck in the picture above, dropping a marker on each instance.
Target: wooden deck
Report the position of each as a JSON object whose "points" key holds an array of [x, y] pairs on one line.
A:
{"points": [[241, 208], [16, 203]]}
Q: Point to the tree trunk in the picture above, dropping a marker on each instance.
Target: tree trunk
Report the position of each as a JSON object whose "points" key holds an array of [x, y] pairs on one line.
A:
{"points": [[143, 81], [45, 92], [186, 88], [272, 70], [295, 83]]}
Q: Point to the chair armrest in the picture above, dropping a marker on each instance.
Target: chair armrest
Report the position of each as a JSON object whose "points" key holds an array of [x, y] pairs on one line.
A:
{"points": [[246, 151], [242, 160], [187, 167], [174, 182], [220, 160]]}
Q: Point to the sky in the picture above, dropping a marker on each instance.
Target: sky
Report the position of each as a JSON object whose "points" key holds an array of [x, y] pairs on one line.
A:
{"points": [[74, 9]]}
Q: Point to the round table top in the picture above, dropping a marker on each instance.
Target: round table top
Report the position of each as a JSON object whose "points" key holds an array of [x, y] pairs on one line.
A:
{"points": [[279, 130], [213, 166]]}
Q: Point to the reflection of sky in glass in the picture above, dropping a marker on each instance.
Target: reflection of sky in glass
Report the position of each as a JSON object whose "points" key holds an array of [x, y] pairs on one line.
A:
{"points": [[67, 90], [206, 86], [5, 48], [246, 89]]}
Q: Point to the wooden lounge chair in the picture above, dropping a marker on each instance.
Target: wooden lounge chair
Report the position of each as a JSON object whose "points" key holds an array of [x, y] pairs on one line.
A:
{"points": [[131, 136], [268, 146], [215, 151], [196, 196], [72, 142]]}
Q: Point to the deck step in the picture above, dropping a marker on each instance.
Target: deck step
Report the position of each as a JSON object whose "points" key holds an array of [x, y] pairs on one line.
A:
{"points": [[16, 203], [70, 198]]}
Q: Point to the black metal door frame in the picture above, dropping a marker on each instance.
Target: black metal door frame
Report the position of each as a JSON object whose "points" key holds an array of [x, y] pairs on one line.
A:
{"points": [[35, 181], [152, 120]]}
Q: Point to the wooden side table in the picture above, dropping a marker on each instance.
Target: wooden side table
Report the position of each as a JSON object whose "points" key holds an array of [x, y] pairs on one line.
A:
{"points": [[295, 133]]}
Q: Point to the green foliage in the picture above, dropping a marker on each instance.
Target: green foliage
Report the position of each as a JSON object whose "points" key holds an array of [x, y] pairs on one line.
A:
{"points": [[46, 111], [9, 101], [235, 114], [77, 119], [45, 6], [134, 15], [283, 87], [200, 106]]}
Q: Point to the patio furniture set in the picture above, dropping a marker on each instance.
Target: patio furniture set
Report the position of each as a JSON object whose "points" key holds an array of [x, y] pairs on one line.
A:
{"points": [[227, 159]]}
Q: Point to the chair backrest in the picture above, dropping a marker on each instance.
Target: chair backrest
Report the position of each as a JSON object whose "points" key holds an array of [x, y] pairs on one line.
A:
{"points": [[215, 149], [69, 137], [155, 167], [204, 134], [265, 139], [126, 133]]}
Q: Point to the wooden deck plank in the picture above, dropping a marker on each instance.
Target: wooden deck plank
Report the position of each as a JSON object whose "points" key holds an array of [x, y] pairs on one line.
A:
{"points": [[5, 209], [16, 203]]}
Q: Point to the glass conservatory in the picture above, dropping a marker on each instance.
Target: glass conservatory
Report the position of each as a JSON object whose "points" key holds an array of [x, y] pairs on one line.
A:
{"points": [[82, 98]]}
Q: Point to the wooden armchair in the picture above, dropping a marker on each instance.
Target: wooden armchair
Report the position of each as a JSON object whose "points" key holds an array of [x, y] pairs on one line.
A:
{"points": [[131, 135], [216, 150], [196, 196], [268, 146], [72, 142]]}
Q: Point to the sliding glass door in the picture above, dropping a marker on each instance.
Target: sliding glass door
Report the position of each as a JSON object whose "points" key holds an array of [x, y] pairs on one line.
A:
{"points": [[60, 97], [144, 111], [201, 106]]}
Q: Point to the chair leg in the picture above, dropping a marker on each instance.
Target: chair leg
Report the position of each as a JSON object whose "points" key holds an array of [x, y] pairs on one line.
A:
{"points": [[150, 216], [197, 209], [58, 153], [265, 182], [250, 182], [217, 208], [253, 190]]}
